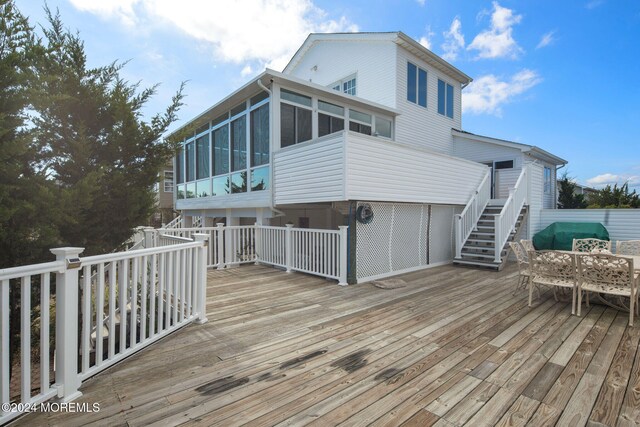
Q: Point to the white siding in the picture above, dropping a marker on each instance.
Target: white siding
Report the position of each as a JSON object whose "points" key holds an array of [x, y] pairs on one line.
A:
{"points": [[479, 151], [381, 170], [310, 172], [424, 126], [441, 246], [371, 61], [254, 199], [536, 187], [505, 179], [622, 224]]}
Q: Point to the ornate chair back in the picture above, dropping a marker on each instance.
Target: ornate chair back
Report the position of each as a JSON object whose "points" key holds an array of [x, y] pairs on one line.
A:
{"points": [[628, 247], [550, 267], [527, 245], [606, 271], [588, 245]]}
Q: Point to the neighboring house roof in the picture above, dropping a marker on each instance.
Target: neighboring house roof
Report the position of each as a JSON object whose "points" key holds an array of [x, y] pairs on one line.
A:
{"points": [[397, 37], [534, 151], [291, 82]]}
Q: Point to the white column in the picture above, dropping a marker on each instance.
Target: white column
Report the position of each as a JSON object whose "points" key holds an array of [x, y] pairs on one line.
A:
{"points": [[220, 247], [343, 254], [288, 247], [149, 237], [67, 380], [200, 277]]}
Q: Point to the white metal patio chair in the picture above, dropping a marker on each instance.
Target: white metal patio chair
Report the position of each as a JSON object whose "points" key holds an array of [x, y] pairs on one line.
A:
{"points": [[523, 266], [527, 245], [607, 274], [628, 247], [590, 245], [554, 269]]}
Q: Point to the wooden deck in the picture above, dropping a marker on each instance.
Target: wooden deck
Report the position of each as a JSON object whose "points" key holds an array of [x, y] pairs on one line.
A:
{"points": [[452, 347]]}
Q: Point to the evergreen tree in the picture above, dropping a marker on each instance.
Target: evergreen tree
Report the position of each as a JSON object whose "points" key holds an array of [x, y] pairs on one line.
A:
{"points": [[94, 143], [26, 199], [615, 197], [567, 199]]}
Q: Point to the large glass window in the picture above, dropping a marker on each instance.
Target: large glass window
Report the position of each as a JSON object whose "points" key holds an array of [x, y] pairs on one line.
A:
{"points": [[260, 136], [416, 85], [203, 188], [346, 85], [547, 180], [202, 157], [383, 127], [190, 161], [445, 99], [220, 185], [295, 124], [359, 122], [221, 150], [330, 118], [180, 166], [239, 144], [260, 179], [239, 182]]}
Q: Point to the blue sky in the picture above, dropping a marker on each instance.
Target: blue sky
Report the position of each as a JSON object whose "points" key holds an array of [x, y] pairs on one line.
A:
{"points": [[557, 74]]}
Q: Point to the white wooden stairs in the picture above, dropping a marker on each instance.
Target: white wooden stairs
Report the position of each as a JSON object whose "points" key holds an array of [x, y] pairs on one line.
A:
{"points": [[479, 248]]}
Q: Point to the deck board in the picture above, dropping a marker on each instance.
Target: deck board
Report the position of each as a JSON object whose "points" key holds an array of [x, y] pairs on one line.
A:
{"points": [[453, 347]]}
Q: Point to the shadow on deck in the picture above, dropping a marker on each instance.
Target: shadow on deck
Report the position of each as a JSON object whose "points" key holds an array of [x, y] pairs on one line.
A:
{"points": [[453, 346]]}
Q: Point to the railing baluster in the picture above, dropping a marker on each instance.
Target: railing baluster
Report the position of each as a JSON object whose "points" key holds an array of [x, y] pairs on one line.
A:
{"points": [[168, 281], [100, 314], [133, 324], [189, 283], [162, 271], [4, 341], [143, 300], [45, 291], [123, 278], [152, 296], [86, 317], [182, 283], [112, 308], [25, 335]]}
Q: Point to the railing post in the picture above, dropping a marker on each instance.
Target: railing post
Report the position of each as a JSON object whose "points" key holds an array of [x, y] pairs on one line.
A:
{"points": [[67, 380], [258, 242], [201, 278], [220, 243], [343, 255], [497, 238], [458, 236], [149, 237], [288, 246]]}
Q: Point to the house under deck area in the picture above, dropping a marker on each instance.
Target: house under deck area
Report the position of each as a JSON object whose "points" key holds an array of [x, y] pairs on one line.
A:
{"points": [[453, 346]]}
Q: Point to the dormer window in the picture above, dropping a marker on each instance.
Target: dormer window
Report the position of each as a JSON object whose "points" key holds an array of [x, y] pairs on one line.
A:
{"points": [[346, 85]]}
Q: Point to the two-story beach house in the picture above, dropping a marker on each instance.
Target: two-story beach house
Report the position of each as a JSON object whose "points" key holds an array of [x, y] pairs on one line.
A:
{"points": [[365, 130]]}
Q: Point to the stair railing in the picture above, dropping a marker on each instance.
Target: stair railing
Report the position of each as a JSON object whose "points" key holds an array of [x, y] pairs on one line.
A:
{"points": [[467, 220], [505, 221]]}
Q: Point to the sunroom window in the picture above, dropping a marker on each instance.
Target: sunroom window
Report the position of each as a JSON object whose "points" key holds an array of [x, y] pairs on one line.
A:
{"points": [[295, 118], [202, 156], [330, 118], [359, 122]]}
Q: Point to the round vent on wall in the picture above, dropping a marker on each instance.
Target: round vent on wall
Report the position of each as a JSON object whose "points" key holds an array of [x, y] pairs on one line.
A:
{"points": [[364, 214]]}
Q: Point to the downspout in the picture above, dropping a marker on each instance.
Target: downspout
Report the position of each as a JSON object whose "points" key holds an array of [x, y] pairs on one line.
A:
{"points": [[555, 187], [271, 162]]}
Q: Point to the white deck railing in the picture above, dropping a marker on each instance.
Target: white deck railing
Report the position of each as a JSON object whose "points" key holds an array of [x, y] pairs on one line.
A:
{"points": [[117, 304], [505, 222], [312, 251], [467, 220]]}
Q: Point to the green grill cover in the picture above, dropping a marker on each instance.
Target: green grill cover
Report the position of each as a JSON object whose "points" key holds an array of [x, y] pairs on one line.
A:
{"points": [[560, 235]]}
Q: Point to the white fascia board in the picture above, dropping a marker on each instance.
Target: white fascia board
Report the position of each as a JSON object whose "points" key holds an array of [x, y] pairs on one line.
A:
{"points": [[532, 150]]}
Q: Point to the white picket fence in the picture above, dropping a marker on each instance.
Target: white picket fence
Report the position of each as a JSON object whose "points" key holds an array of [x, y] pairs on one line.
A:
{"points": [[313, 251], [107, 307]]}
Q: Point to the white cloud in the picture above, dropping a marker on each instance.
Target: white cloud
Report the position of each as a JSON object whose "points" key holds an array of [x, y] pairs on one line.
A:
{"points": [[546, 40], [497, 41], [611, 179], [265, 31], [488, 94], [246, 71], [454, 40], [421, 2], [426, 39]]}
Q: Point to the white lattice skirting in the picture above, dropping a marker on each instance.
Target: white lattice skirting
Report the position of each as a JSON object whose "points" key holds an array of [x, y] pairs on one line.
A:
{"points": [[395, 241]]}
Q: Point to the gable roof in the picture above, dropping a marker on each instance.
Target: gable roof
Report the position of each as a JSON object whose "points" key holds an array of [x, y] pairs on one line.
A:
{"points": [[398, 37], [534, 151]]}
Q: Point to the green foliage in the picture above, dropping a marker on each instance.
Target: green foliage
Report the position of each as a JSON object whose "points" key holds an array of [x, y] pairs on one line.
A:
{"points": [[615, 198], [567, 199], [26, 198], [78, 161]]}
